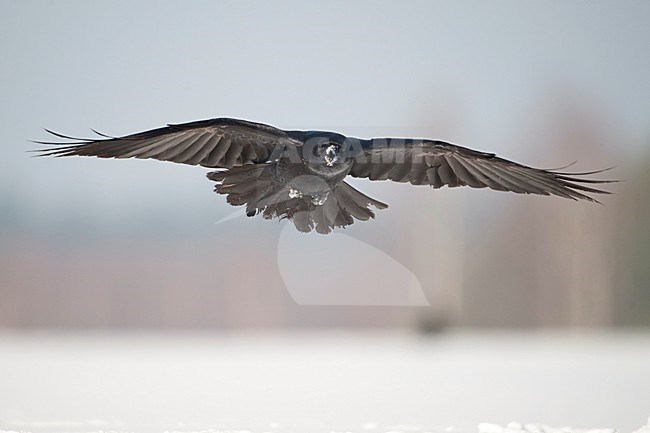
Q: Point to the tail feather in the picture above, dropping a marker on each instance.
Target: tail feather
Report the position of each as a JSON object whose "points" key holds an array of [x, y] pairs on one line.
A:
{"points": [[356, 203], [254, 186]]}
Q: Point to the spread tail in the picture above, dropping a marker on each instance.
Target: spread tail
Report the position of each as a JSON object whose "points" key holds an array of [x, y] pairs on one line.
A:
{"points": [[253, 186]]}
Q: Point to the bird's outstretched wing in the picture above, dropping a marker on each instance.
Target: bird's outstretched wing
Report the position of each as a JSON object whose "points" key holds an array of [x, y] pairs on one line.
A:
{"points": [[436, 163], [219, 143]]}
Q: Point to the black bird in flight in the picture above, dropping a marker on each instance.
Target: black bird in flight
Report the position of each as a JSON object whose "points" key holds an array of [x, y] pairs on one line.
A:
{"points": [[300, 175]]}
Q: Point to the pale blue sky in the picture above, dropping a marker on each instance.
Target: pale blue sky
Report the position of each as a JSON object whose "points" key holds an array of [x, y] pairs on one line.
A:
{"points": [[497, 76]]}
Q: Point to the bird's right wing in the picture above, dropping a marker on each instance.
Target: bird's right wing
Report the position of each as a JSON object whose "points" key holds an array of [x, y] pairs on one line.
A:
{"points": [[217, 143]]}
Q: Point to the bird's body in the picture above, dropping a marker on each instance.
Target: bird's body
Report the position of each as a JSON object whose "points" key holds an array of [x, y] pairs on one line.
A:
{"points": [[300, 175]]}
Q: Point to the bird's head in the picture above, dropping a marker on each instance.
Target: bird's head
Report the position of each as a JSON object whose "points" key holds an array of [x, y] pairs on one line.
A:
{"points": [[330, 153], [327, 150]]}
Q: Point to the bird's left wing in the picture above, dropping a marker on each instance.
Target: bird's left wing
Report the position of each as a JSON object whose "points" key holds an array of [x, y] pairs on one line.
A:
{"points": [[217, 143], [436, 163]]}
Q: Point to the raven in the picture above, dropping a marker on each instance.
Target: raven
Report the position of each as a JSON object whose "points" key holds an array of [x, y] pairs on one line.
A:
{"points": [[300, 175]]}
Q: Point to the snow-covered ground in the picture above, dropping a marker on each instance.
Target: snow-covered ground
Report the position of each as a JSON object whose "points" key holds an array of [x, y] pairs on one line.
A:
{"points": [[324, 382], [512, 427]]}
